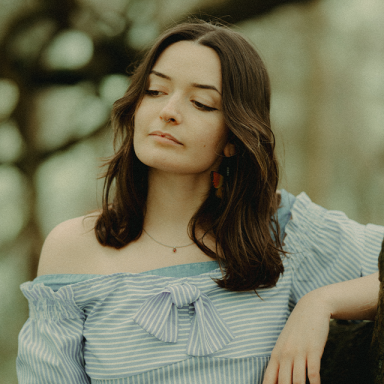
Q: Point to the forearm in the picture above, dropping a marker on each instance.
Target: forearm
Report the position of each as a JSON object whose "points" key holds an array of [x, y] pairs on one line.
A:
{"points": [[350, 300]]}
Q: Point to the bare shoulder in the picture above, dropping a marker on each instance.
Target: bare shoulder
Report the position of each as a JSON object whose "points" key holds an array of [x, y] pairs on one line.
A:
{"points": [[69, 246]]}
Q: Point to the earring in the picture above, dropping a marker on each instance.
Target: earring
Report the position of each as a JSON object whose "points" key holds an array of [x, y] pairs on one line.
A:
{"points": [[217, 182]]}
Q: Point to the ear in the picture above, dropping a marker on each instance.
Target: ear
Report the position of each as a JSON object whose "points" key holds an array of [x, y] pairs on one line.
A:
{"points": [[229, 150]]}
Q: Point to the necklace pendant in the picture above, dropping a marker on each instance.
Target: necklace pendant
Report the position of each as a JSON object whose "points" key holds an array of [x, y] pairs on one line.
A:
{"points": [[174, 249]]}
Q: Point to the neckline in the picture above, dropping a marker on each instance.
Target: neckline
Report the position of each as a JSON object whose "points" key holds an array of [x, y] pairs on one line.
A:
{"points": [[207, 266]]}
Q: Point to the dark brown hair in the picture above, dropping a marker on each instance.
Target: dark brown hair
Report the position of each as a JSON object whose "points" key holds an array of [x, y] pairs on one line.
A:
{"points": [[244, 220]]}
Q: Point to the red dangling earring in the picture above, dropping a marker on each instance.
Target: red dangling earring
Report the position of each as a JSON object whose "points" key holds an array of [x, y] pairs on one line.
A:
{"points": [[217, 181]]}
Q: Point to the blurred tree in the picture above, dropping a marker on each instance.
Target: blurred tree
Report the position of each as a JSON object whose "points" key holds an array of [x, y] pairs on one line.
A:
{"points": [[63, 62], [377, 347], [36, 50], [238, 11]]}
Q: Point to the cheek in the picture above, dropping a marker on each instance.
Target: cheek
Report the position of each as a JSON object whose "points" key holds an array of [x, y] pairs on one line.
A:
{"points": [[217, 139], [139, 119], [140, 126], [141, 113], [136, 146], [211, 146], [139, 137]]}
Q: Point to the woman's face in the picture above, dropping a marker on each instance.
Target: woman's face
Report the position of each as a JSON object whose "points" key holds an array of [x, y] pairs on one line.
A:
{"points": [[179, 124]]}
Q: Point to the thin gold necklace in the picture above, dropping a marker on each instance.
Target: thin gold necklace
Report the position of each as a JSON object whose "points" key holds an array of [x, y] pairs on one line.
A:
{"points": [[174, 248]]}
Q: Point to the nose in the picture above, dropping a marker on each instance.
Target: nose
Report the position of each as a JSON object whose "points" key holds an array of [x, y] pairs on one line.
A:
{"points": [[171, 110]]}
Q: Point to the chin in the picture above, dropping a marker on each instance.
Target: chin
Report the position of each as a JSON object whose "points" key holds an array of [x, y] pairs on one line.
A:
{"points": [[156, 161]]}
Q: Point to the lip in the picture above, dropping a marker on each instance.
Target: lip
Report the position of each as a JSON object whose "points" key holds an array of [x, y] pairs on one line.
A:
{"points": [[166, 136]]}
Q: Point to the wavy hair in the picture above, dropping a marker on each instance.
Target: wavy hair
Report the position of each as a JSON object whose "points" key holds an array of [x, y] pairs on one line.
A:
{"points": [[243, 221]]}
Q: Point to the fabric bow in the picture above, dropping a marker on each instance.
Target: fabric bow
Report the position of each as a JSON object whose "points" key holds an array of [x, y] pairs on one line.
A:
{"points": [[159, 316]]}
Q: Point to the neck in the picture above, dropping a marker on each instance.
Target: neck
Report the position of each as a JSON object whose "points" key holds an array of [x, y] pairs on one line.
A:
{"points": [[172, 201]]}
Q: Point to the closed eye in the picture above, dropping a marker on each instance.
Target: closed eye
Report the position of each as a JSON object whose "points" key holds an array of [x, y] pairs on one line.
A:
{"points": [[153, 92], [203, 107]]}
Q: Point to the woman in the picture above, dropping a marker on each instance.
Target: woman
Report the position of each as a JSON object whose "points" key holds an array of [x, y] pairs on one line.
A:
{"points": [[159, 287]]}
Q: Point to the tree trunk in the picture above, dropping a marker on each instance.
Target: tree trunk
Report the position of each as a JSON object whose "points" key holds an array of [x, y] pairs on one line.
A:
{"points": [[354, 353], [377, 348]]}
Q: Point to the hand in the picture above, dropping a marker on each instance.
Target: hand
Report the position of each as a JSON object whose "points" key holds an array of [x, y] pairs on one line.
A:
{"points": [[300, 345]]}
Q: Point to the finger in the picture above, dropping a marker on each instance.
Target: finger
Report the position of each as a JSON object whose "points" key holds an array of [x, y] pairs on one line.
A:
{"points": [[270, 376], [285, 372], [313, 369], [299, 371]]}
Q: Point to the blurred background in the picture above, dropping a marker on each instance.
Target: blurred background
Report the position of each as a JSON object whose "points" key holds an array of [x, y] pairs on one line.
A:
{"points": [[63, 63]]}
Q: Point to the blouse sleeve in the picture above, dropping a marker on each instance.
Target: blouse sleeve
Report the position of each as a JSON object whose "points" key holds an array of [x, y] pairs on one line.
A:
{"points": [[51, 341], [326, 247]]}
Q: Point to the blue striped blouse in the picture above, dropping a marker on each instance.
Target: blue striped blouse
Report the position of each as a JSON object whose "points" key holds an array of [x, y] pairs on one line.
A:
{"points": [[175, 325]]}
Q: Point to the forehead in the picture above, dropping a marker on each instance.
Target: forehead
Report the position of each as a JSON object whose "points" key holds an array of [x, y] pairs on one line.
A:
{"points": [[190, 61]]}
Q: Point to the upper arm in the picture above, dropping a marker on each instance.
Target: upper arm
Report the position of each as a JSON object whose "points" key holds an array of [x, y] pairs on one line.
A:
{"points": [[66, 248], [326, 247], [51, 342]]}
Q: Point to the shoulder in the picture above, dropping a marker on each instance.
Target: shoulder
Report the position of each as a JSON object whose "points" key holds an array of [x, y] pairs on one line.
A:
{"points": [[68, 246]]}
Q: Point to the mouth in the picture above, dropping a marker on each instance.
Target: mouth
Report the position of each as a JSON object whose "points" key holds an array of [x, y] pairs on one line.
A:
{"points": [[165, 136]]}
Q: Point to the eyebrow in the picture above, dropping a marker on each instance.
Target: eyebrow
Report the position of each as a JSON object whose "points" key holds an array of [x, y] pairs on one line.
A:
{"points": [[195, 85]]}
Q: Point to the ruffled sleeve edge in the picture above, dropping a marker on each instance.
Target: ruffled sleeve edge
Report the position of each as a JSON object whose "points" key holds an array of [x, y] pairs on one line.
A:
{"points": [[44, 303], [326, 247]]}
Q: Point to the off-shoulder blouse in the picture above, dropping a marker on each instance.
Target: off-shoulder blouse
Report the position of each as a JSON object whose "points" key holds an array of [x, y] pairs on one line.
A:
{"points": [[174, 324]]}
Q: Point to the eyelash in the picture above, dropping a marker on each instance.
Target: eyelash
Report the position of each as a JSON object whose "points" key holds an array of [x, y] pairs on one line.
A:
{"points": [[152, 93], [203, 107], [200, 106]]}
